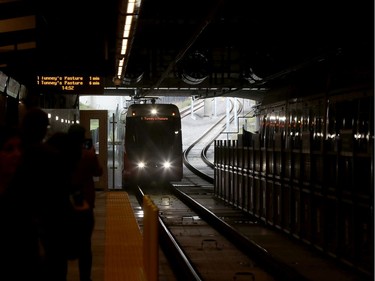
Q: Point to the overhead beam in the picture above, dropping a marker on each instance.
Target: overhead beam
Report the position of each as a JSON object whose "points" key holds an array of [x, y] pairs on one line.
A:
{"points": [[190, 43]]}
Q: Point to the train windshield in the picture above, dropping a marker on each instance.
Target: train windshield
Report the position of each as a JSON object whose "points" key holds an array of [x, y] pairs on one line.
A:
{"points": [[149, 136]]}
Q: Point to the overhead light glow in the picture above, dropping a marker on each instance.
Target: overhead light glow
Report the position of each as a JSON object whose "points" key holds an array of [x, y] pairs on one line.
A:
{"points": [[119, 71], [124, 46], [132, 9], [128, 20], [126, 32]]}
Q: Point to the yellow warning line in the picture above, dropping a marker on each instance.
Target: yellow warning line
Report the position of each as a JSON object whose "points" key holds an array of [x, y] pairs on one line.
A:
{"points": [[123, 241]]}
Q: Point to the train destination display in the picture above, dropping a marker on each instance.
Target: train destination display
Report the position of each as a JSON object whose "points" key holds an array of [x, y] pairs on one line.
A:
{"points": [[74, 84]]}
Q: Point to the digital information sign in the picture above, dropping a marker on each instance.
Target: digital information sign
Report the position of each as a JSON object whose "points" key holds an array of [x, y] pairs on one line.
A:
{"points": [[74, 84]]}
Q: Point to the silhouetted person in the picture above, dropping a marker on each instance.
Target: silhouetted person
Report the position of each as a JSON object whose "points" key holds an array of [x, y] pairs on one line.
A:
{"points": [[44, 181], [83, 182], [11, 156], [19, 248]]}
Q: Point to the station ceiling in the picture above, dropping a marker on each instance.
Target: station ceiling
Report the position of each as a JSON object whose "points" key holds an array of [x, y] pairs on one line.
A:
{"points": [[242, 48]]}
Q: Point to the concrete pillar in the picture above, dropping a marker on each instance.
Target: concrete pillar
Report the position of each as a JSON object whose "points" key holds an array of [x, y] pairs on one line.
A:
{"points": [[228, 113], [215, 107], [192, 108], [235, 114], [207, 107]]}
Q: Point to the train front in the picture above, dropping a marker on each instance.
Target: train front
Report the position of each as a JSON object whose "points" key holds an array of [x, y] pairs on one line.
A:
{"points": [[153, 143]]}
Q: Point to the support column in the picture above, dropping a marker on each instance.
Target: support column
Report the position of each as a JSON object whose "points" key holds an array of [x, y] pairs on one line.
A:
{"points": [[228, 114], [207, 107], [235, 114], [192, 108], [215, 107]]}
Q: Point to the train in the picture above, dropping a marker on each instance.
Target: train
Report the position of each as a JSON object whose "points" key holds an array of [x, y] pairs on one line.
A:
{"points": [[153, 144]]}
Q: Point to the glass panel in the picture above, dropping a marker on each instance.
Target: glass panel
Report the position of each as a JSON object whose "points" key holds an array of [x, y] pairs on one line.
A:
{"points": [[94, 131], [115, 150]]}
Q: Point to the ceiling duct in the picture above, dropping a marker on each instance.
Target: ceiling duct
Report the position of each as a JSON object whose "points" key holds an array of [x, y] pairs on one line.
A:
{"points": [[132, 78], [134, 72], [251, 77], [195, 69]]}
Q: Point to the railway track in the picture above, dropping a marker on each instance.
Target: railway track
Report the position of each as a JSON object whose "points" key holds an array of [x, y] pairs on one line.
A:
{"points": [[197, 151], [189, 231], [200, 246], [205, 238]]}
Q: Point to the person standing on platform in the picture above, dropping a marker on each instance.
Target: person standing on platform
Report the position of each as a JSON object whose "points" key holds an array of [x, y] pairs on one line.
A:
{"points": [[87, 168], [45, 188], [19, 248]]}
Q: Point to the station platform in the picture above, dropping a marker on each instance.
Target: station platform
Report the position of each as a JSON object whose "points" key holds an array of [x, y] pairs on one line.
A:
{"points": [[117, 241]]}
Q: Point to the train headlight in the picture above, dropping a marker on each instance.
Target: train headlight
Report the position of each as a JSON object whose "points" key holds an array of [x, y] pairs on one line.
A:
{"points": [[166, 165], [141, 165]]}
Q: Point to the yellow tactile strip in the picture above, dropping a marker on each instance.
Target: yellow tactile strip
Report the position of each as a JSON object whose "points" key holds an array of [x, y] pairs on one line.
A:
{"points": [[123, 240]]}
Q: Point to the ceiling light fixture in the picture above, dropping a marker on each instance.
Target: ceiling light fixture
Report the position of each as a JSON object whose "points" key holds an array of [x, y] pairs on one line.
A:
{"points": [[131, 16]]}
